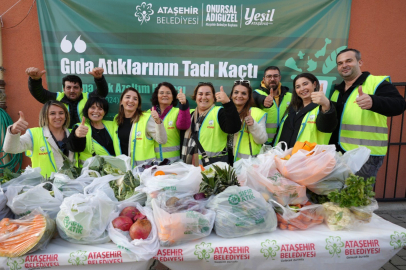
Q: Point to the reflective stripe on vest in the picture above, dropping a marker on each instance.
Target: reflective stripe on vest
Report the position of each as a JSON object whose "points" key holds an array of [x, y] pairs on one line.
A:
{"points": [[275, 114], [211, 137], [41, 154], [308, 129], [244, 138], [81, 103], [171, 149], [360, 127]]}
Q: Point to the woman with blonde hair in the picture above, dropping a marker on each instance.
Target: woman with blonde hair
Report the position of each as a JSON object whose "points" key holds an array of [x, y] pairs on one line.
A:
{"points": [[46, 144]]}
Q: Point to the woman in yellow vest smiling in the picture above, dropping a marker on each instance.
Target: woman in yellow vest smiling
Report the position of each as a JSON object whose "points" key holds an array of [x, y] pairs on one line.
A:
{"points": [[248, 141], [164, 99], [43, 144], [135, 131], [205, 141], [96, 132], [311, 116]]}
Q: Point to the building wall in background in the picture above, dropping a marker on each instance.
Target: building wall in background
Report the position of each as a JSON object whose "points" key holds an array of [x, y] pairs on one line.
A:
{"points": [[377, 30]]}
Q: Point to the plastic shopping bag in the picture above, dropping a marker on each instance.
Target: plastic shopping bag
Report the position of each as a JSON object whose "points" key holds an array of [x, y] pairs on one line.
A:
{"points": [[107, 165], [44, 195], [263, 163], [307, 167], [139, 249], [350, 162], [274, 185], [68, 186], [30, 177], [25, 235], [83, 219], [178, 177], [5, 211], [184, 226], [241, 211]]}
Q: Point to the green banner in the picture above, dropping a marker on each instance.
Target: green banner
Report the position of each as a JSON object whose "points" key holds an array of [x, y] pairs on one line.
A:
{"points": [[141, 44]]}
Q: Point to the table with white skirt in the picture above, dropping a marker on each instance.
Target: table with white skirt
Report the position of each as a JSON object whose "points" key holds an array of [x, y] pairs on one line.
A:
{"points": [[366, 247]]}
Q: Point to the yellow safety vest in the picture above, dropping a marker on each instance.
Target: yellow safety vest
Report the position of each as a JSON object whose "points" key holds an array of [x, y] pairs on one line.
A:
{"points": [[360, 127], [211, 137], [92, 146], [275, 113], [81, 103], [244, 139], [171, 149], [308, 129], [141, 147]]}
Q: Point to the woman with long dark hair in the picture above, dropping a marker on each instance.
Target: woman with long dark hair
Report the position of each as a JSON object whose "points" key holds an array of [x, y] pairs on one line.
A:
{"points": [[311, 116], [248, 141], [135, 131], [164, 100]]}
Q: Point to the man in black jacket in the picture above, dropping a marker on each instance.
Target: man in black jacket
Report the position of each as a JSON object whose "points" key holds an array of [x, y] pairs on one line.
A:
{"points": [[269, 93], [363, 102], [72, 95]]}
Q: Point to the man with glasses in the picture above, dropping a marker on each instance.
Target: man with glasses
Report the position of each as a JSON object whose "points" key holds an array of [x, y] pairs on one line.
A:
{"points": [[273, 98], [72, 95]]}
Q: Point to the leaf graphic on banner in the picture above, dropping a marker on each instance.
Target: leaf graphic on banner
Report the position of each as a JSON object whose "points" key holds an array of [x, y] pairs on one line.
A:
{"points": [[66, 45], [334, 245], [398, 240], [15, 263], [269, 249], [203, 251], [330, 61], [80, 45], [143, 12]]}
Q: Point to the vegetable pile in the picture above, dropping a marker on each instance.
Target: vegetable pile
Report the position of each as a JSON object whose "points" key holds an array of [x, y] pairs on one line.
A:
{"points": [[131, 219]]}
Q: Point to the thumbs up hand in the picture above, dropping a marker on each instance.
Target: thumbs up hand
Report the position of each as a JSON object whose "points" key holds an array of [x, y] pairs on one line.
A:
{"points": [[34, 73], [181, 97], [319, 97], [82, 130], [248, 119], [155, 115], [268, 101], [20, 126], [363, 100], [97, 72], [222, 96]]}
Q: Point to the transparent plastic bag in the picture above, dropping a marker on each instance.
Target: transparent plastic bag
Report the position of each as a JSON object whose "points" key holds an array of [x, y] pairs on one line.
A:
{"points": [[121, 162], [178, 177], [307, 167], [294, 218], [274, 186], [5, 211], [30, 177], [25, 235], [177, 202], [102, 184], [139, 249], [263, 163], [241, 211], [68, 187], [34, 197], [346, 164], [83, 219], [184, 226]]}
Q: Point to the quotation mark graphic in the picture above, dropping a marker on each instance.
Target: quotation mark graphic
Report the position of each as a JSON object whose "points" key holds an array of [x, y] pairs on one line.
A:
{"points": [[66, 45]]}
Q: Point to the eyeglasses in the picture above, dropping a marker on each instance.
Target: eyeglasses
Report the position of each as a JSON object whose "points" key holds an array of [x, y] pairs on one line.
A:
{"points": [[272, 76], [242, 82]]}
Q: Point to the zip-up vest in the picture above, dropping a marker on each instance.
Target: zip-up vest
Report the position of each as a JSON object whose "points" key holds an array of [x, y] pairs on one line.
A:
{"points": [[81, 103], [245, 140], [275, 113], [360, 127], [171, 149], [211, 137], [308, 129], [141, 147], [92, 146], [41, 154]]}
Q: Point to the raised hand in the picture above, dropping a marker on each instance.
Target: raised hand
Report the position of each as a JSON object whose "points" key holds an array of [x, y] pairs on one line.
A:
{"points": [[20, 126], [268, 101], [97, 72], [320, 98], [181, 97], [82, 130], [155, 115], [34, 73], [363, 100], [222, 96], [248, 119]]}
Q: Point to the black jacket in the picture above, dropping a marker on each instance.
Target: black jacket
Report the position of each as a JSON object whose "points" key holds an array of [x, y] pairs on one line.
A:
{"points": [[325, 122], [386, 101], [43, 95], [259, 99]]}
